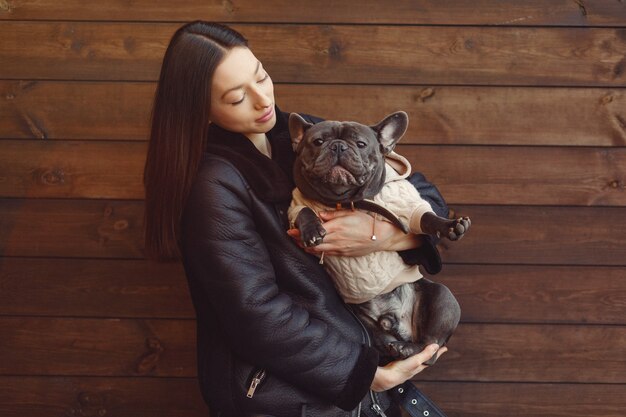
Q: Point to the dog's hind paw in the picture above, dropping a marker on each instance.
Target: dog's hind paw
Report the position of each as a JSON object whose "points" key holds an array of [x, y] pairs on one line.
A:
{"points": [[402, 350]]}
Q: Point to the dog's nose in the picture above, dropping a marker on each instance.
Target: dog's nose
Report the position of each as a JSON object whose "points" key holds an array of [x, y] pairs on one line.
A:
{"points": [[339, 147]]}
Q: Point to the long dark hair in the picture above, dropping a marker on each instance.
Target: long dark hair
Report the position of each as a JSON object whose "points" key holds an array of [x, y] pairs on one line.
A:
{"points": [[180, 121]]}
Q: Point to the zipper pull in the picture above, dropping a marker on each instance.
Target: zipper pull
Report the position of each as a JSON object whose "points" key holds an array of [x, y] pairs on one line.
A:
{"points": [[255, 383], [378, 410]]}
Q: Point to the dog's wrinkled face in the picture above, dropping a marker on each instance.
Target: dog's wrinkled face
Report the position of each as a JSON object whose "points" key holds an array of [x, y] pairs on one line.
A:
{"points": [[390, 316], [343, 161]]}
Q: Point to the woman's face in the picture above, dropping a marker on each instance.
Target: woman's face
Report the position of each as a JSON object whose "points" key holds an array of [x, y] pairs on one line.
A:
{"points": [[242, 94]]}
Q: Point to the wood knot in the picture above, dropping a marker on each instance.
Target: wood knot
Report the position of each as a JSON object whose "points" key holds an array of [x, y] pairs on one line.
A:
{"points": [[607, 99], [425, 94], [89, 405], [229, 7], [5, 6], [148, 361], [54, 176], [130, 45], [154, 344], [334, 50], [615, 184], [120, 225], [581, 7]]}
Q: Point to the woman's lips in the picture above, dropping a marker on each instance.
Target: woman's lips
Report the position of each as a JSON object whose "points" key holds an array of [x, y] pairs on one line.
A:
{"points": [[266, 116]]}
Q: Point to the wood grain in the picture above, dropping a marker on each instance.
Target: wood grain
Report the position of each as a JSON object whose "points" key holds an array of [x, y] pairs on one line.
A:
{"points": [[533, 353], [540, 235], [524, 175], [75, 228], [516, 113], [464, 174], [165, 348], [464, 12], [474, 115], [437, 114], [75, 110], [97, 347], [93, 288], [331, 54], [87, 397], [72, 169], [180, 397], [499, 235], [537, 294], [458, 399], [132, 288]]}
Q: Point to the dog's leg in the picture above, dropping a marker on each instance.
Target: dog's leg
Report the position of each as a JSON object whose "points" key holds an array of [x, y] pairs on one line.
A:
{"points": [[435, 319], [311, 230], [439, 314]]}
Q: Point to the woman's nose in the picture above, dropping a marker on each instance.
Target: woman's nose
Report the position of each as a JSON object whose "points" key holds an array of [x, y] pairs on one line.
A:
{"points": [[262, 99]]}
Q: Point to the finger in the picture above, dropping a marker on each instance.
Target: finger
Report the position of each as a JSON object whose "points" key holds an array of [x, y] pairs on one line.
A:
{"points": [[329, 215], [295, 235], [327, 248], [441, 352]]}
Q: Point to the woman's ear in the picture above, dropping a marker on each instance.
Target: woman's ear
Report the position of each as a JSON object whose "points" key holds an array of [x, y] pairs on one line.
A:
{"points": [[297, 127], [390, 130]]}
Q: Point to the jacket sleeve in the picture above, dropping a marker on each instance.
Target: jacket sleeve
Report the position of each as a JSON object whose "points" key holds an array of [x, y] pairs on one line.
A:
{"points": [[227, 259], [427, 254]]}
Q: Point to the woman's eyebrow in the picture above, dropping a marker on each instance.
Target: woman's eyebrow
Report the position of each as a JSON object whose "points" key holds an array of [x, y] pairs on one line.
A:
{"points": [[258, 65]]}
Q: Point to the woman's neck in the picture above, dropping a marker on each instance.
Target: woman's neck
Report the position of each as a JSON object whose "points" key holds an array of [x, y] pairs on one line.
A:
{"points": [[260, 141]]}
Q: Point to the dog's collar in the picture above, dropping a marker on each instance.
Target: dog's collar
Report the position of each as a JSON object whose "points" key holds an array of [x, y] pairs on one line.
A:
{"points": [[369, 205]]}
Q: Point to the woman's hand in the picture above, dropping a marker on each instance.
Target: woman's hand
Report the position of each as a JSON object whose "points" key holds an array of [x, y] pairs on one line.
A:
{"points": [[397, 372], [349, 233]]}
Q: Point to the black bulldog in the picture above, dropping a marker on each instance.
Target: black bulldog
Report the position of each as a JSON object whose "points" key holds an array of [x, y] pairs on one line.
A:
{"points": [[342, 164]]}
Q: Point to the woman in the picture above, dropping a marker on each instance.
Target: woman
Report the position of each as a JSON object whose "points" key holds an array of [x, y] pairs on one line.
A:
{"points": [[273, 336]]}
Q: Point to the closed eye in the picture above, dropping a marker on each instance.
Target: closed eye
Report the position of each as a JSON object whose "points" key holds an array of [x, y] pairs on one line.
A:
{"points": [[240, 101]]}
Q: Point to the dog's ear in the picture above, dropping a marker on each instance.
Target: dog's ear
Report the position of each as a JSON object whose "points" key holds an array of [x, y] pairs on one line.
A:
{"points": [[390, 130], [297, 127]]}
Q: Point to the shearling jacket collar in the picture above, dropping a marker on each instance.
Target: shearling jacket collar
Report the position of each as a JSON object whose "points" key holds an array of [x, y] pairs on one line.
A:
{"points": [[270, 179]]}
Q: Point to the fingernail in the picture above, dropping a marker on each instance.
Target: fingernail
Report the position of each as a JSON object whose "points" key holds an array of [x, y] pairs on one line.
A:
{"points": [[434, 347]]}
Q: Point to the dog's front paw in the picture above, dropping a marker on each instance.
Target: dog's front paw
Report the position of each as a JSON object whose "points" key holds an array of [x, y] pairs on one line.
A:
{"points": [[312, 234], [311, 230], [458, 228]]}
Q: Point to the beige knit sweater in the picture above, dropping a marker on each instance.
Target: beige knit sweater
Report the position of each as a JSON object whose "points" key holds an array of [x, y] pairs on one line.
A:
{"points": [[359, 279]]}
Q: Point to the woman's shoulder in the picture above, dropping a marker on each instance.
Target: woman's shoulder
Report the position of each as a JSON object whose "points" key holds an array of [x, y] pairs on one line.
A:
{"points": [[217, 181], [217, 169]]}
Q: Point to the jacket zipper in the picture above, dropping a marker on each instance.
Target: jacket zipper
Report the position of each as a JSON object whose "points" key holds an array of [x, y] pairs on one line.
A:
{"points": [[256, 380], [375, 404]]}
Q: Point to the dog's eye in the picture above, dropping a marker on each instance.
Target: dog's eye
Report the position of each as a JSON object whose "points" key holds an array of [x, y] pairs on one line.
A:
{"points": [[361, 144], [387, 321], [318, 142]]}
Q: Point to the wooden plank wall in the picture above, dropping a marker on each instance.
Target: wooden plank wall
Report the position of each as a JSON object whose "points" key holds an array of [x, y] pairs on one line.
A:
{"points": [[518, 114]]}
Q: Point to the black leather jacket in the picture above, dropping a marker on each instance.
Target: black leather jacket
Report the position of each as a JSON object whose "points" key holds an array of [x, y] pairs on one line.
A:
{"points": [[273, 336]]}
